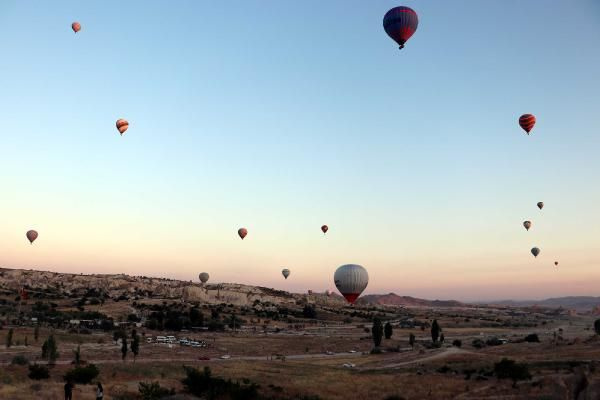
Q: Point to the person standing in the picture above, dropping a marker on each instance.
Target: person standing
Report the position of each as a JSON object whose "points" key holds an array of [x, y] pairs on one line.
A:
{"points": [[99, 392], [68, 390]]}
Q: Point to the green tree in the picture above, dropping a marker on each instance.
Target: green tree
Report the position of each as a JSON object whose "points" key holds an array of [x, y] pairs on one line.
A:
{"points": [[36, 333], [411, 340], [9, 338], [123, 347], [435, 331], [597, 326], [77, 355], [388, 331], [50, 350], [377, 332], [135, 344]]}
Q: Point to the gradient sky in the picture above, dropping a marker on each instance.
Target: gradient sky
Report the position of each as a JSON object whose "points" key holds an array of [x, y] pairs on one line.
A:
{"points": [[282, 116]]}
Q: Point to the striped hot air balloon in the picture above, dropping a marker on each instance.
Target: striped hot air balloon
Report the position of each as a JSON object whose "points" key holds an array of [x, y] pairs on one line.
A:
{"points": [[351, 280], [122, 126], [527, 121], [76, 26], [527, 224], [285, 272], [400, 23]]}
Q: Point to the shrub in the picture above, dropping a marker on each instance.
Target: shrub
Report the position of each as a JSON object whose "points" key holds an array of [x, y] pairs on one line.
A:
{"points": [[597, 326], [493, 342], [509, 369], [82, 375], [202, 384], [19, 360], [532, 338], [478, 343], [457, 343], [153, 391], [38, 372]]}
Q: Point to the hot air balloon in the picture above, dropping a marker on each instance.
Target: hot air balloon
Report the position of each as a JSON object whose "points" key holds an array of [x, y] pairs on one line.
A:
{"points": [[535, 251], [122, 125], [285, 272], [328, 292], [527, 224], [400, 23], [556, 263], [527, 121], [31, 236], [540, 205], [324, 228], [203, 277], [76, 26], [242, 232], [351, 280]]}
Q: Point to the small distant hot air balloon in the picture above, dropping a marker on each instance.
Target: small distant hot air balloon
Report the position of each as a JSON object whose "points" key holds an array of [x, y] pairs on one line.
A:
{"points": [[540, 205], [400, 23], [285, 272], [242, 232], [324, 228], [351, 280], [527, 224], [76, 26], [527, 121], [535, 251], [203, 277], [122, 125], [31, 236], [328, 292]]}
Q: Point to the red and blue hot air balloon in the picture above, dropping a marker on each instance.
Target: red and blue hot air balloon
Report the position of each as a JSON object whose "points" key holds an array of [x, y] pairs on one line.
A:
{"points": [[400, 23]]}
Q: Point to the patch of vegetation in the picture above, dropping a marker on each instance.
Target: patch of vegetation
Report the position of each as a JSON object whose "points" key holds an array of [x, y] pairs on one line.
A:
{"points": [[19, 360], [457, 343], [153, 391], [202, 384], [532, 338], [82, 375], [38, 372], [510, 369]]}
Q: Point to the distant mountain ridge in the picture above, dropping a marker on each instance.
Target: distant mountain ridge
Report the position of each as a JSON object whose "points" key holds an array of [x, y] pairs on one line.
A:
{"points": [[579, 303], [392, 299]]}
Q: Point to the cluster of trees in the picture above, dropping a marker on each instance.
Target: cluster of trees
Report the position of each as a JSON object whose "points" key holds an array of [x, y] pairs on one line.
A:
{"points": [[134, 346], [378, 331]]}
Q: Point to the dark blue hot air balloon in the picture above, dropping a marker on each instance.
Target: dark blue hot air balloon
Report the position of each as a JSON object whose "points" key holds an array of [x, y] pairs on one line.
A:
{"points": [[400, 23]]}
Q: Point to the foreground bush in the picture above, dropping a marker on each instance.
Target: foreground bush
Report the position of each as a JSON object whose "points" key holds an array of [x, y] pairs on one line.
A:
{"points": [[457, 343], [38, 372], [509, 369], [19, 360], [153, 391], [202, 384], [82, 375], [532, 338]]}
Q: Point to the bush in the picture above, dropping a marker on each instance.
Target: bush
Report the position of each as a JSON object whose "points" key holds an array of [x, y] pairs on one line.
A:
{"points": [[38, 372], [493, 342], [509, 369], [532, 338], [478, 343], [457, 343], [202, 384], [153, 391], [82, 375], [19, 360], [394, 397]]}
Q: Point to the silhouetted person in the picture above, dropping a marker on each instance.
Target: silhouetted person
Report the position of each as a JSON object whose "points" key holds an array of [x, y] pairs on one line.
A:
{"points": [[99, 392], [68, 390]]}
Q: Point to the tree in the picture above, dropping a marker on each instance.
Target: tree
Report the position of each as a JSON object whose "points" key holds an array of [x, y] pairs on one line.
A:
{"points": [[38, 372], [77, 355], [435, 331], [442, 338], [26, 344], [509, 369], [36, 333], [388, 330], [135, 344], [377, 332], [309, 311], [49, 350], [411, 340], [597, 326], [123, 347], [9, 338]]}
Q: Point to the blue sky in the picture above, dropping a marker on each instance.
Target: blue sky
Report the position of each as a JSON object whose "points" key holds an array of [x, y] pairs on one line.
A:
{"points": [[282, 116]]}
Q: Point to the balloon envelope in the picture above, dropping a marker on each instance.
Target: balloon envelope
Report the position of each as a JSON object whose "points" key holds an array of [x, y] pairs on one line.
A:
{"points": [[540, 205], [400, 23], [285, 272], [31, 235], [76, 26], [242, 232], [351, 280], [535, 251], [527, 121], [324, 228], [204, 277], [527, 224], [122, 126], [556, 263]]}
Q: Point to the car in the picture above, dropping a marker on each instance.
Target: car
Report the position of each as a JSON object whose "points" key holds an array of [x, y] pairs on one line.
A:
{"points": [[204, 358], [352, 351], [330, 353], [225, 357], [349, 365]]}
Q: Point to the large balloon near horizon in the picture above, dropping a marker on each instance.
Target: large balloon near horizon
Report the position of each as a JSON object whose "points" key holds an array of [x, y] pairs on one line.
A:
{"points": [[535, 251], [351, 280], [203, 277], [122, 125], [540, 205], [527, 121], [285, 272], [242, 232], [76, 26], [527, 224], [324, 228], [400, 23], [31, 236]]}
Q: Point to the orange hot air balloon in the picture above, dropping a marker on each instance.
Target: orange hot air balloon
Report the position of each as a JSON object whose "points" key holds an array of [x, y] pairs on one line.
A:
{"points": [[242, 232], [324, 228], [122, 126], [31, 236], [527, 121], [76, 26]]}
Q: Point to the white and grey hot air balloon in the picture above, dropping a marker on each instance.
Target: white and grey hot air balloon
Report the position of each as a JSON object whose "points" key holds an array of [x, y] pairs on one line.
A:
{"points": [[203, 277], [527, 224], [351, 280], [535, 251], [285, 272]]}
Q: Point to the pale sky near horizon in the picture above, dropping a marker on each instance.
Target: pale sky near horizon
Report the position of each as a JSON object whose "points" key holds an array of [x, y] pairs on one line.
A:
{"points": [[281, 116]]}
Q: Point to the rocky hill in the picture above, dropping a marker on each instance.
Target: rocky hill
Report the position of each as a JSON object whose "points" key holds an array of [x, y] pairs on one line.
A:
{"points": [[393, 299]]}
